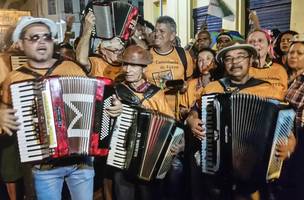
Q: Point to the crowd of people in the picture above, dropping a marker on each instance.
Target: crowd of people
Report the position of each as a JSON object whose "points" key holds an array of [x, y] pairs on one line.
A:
{"points": [[151, 70]]}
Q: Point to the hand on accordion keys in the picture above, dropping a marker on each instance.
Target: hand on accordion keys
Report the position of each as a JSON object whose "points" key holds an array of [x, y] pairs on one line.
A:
{"points": [[284, 150], [8, 121], [196, 125], [116, 108]]}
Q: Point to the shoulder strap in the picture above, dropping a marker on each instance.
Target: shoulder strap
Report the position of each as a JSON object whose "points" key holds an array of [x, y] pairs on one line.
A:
{"points": [[26, 70], [55, 65], [126, 94], [226, 84], [152, 89], [182, 55]]}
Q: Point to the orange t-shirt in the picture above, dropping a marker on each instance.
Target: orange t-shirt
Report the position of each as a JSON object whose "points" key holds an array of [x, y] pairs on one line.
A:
{"points": [[263, 90], [168, 67], [101, 68], [66, 68], [192, 94], [275, 74]]}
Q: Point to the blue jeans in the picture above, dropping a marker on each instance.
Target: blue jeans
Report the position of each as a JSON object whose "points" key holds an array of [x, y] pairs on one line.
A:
{"points": [[48, 183]]}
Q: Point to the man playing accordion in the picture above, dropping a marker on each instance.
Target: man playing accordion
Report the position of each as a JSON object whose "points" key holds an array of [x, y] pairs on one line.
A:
{"points": [[236, 57], [35, 37], [136, 91]]}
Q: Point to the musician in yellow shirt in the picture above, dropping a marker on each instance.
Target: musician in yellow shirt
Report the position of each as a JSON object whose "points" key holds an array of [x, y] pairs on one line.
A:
{"points": [[167, 63], [236, 57], [35, 38], [135, 90]]}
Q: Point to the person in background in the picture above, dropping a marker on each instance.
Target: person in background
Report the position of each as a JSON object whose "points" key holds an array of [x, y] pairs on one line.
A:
{"points": [[291, 187], [281, 46], [170, 63], [206, 65], [263, 67], [222, 39]]}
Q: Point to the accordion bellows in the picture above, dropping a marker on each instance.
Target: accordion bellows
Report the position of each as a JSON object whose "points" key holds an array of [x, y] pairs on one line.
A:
{"points": [[242, 132], [62, 116], [114, 19]]}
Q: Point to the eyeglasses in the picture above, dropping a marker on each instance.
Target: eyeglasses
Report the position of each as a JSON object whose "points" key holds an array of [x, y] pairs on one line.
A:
{"points": [[236, 60], [47, 37]]}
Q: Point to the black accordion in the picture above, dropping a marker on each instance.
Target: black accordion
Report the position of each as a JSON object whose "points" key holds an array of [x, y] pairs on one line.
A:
{"points": [[242, 132], [141, 143], [113, 19], [62, 117]]}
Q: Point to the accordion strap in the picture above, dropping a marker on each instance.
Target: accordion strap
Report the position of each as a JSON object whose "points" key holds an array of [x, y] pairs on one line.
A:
{"points": [[229, 88], [126, 94], [35, 74]]}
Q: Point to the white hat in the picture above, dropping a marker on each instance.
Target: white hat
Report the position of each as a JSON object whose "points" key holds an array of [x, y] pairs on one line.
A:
{"points": [[27, 20]]}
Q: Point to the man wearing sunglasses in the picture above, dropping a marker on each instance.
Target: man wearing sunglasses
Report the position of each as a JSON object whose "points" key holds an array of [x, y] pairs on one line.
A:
{"points": [[35, 38], [236, 57]]}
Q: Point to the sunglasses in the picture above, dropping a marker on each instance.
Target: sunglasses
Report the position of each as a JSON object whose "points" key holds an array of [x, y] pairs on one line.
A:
{"points": [[47, 37]]}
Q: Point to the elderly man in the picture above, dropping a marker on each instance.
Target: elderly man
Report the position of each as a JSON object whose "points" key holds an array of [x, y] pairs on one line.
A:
{"points": [[236, 58], [35, 38], [135, 90], [169, 62]]}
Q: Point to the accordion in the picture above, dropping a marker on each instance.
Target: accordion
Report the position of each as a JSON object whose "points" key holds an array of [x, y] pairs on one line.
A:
{"points": [[242, 132], [141, 143], [113, 19], [62, 116]]}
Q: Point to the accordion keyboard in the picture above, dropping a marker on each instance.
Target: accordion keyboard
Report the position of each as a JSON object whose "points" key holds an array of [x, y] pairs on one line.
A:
{"points": [[283, 127], [30, 147], [209, 154], [118, 151]]}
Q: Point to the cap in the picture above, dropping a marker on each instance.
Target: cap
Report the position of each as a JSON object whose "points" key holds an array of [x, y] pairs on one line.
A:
{"points": [[28, 20]]}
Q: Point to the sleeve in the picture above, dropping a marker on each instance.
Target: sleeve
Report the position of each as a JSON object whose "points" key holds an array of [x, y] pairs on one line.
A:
{"points": [[97, 67], [6, 92], [190, 65]]}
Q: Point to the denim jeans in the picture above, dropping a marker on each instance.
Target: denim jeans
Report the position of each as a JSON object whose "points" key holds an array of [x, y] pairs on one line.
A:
{"points": [[48, 183]]}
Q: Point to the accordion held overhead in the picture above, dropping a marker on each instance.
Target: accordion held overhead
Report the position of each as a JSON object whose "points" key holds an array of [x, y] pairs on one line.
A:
{"points": [[141, 143], [62, 116], [242, 132], [114, 19]]}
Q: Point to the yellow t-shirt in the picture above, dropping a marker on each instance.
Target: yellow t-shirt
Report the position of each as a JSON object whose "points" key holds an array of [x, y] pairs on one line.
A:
{"points": [[275, 74], [157, 102], [192, 94], [263, 90], [5, 66], [66, 68], [168, 67], [101, 68]]}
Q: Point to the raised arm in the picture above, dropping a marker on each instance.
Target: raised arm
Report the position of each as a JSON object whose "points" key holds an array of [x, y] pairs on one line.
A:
{"points": [[82, 50]]}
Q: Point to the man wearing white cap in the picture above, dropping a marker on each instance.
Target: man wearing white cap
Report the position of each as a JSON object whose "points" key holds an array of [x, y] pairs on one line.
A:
{"points": [[35, 37]]}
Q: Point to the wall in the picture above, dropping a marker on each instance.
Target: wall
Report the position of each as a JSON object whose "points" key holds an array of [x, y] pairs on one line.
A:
{"points": [[297, 16]]}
